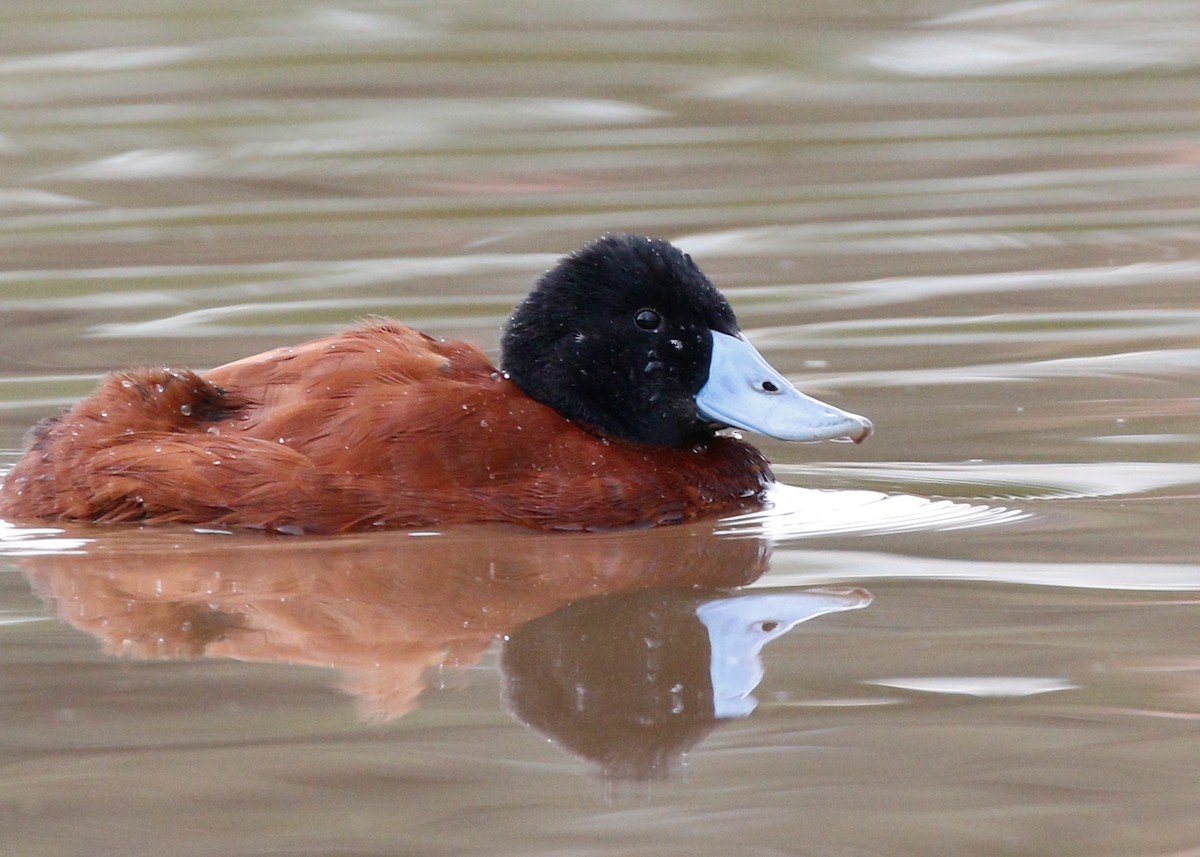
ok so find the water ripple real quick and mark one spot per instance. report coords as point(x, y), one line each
point(1154, 363)
point(37, 541)
point(1034, 37)
point(100, 60)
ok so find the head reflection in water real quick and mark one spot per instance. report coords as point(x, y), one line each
point(633, 681)
point(636, 667)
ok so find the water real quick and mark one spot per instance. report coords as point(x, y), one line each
point(976, 224)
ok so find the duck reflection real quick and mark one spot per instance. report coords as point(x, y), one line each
point(622, 640)
point(634, 680)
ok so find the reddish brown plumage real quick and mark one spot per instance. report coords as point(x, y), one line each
point(377, 426)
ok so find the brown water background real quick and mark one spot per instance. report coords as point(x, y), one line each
point(978, 224)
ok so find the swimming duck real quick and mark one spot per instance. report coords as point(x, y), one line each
point(617, 372)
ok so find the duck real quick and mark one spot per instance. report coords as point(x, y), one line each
point(618, 376)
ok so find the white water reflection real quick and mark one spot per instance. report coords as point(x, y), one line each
point(793, 512)
point(962, 232)
point(1010, 480)
point(796, 568)
point(982, 686)
point(901, 290)
point(30, 199)
point(37, 541)
point(187, 285)
point(1045, 37)
point(1007, 54)
point(372, 26)
point(1155, 363)
point(1101, 326)
point(99, 60)
point(362, 128)
point(144, 164)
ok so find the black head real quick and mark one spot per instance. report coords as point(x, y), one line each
point(617, 337)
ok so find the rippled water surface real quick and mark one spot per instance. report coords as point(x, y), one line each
point(975, 223)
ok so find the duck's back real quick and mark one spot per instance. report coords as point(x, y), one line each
point(377, 426)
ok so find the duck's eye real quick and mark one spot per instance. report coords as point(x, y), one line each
point(647, 319)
